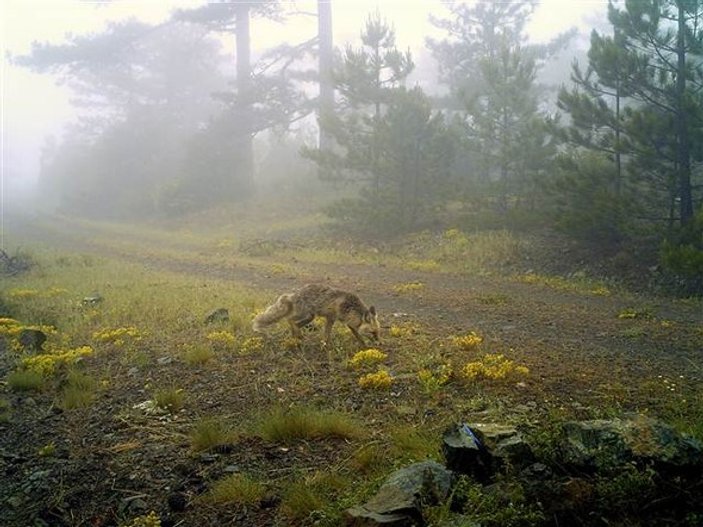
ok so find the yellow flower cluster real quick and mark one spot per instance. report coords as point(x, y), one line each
point(409, 287)
point(403, 330)
point(431, 381)
point(46, 363)
point(251, 345)
point(148, 520)
point(380, 380)
point(117, 336)
point(493, 366)
point(367, 357)
point(31, 293)
point(468, 342)
point(221, 338)
point(23, 293)
point(600, 290)
point(423, 265)
point(11, 328)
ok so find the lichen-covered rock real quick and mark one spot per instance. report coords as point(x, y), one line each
point(592, 445)
point(400, 500)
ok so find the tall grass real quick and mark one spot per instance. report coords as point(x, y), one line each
point(282, 425)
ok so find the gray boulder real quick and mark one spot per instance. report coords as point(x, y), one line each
point(400, 500)
point(597, 444)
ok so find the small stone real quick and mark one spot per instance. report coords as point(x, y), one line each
point(177, 502)
point(92, 300)
point(219, 315)
point(164, 361)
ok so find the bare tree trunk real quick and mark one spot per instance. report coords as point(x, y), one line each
point(326, 103)
point(244, 95)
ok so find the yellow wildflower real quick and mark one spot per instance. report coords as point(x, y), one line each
point(379, 380)
point(367, 357)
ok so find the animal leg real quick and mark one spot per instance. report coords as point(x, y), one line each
point(357, 336)
point(329, 322)
point(295, 330)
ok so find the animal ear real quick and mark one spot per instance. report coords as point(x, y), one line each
point(372, 310)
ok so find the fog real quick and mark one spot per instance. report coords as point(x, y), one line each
point(37, 106)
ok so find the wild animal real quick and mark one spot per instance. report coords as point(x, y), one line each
point(301, 307)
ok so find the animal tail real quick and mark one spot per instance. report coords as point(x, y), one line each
point(281, 308)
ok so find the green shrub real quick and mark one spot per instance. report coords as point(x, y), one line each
point(25, 380)
point(682, 255)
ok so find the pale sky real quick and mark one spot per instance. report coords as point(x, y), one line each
point(32, 106)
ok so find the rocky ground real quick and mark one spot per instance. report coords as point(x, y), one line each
point(589, 353)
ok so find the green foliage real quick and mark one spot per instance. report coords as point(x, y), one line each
point(5, 411)
point(500, 505)
point(282, 425)
point(209, 433)
point(490, 73)
point(585, 202)
point(316, 497)
point(79, 390)
point(25, 380)
point(170, 399)
point(236, 488)
point(407, 153)
point(388, 140)
point(682, 255)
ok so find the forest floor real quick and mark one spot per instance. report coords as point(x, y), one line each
point(193, 420)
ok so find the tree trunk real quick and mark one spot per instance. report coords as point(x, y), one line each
point(683, 153)
point(244, 95)
point(326, 50)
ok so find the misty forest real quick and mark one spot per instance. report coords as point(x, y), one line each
point(505, 237)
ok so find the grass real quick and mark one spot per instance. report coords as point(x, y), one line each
point(236, 488)
point(5, 411)
point(317, 495)
point(286, 425)
point(25, 381)
point(79, 391)
point(411, 444)
point(210, 432)
point(197, 355)
point(169, 398)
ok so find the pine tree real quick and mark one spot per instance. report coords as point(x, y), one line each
point(490, 71)
point(388, 141)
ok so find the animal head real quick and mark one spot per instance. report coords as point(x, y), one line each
point(371, 325)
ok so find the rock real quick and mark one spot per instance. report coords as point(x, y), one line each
point(32, 339)
point(219, 315)
point(465, 453)
point(401, 499)
point(505, 443)
point(514, 451)
point(591, 445)
point(164, 361)
point(177, 502)
point(269, 501)
point(92, 300)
